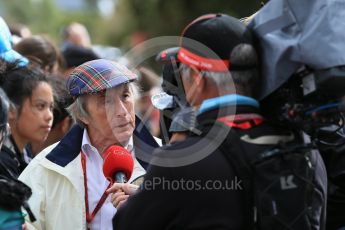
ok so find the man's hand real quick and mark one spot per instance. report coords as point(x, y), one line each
point(121, 192)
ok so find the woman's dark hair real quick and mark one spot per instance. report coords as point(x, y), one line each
point(40, 50)
point(19, 82)
point(62, 98)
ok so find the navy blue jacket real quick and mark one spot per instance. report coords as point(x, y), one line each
point(69, 147)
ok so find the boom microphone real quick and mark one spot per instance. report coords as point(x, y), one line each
point(118, 164)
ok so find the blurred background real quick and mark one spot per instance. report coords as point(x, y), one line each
point(118, 23)
point(84, 30)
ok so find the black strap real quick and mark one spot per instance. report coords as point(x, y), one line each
point(18, 155)
point(236, 157)
point(8, 174)
point(5, 170)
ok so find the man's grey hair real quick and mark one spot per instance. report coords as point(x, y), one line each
point(78, 110)
point(245, 80)
point(241, 80)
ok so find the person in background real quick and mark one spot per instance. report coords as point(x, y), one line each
point(30, 116)
point(42, 51)
point(31, 112)
point(13, 194)
point(148, 83)
point(71, 171)
point(19, 31)
point(76, 34)
point(62, 120)
point(6, 50)
point(4, 127)
point(76, 55)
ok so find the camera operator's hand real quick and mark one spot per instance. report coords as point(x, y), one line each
point(121, 192)
point(178, 136)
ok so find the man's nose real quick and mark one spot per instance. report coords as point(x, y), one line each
point(121, 110)
point(118, 107)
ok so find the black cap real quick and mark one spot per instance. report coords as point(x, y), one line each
point(219, 34)
point(77, 55)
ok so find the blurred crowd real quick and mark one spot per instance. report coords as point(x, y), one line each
point(34, 98)
point(64, 105)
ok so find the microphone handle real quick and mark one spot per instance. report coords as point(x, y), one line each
point(120, 177)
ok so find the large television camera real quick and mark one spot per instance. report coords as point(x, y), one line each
point(303, 81)
point(310, 101)
point(301, 46)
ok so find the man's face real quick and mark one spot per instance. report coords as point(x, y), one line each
point(111, 115)
point(190, 87)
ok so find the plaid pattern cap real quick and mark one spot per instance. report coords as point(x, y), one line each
point(96, 76)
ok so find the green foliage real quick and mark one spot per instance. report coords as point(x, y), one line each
point(153, 17)
point(44, 17)
point(164, 17)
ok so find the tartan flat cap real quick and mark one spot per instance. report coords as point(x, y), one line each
point(96, 76)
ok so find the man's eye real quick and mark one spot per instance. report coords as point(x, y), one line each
point(126, 95)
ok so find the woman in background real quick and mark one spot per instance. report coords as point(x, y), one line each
point(30, 116)
point(40, 50)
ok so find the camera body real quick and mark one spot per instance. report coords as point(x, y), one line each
point(309, 100)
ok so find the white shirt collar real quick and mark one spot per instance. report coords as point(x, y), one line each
point(86, 144)
point(130, 145)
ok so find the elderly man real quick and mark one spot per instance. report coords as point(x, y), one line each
point(198, 183)
point(68, 185)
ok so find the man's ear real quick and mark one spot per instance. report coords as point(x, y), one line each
point(197, 78)
point(198, 86)
point(66, 124)
point(84, 120)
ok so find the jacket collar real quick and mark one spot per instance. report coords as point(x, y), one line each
point(230, 104)
point(226, 101)
point(69, 147)
point(144, 143)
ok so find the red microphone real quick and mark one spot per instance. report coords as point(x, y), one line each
point(118, 164)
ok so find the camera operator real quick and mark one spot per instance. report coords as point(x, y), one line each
point(303, 60)
point(223, 100)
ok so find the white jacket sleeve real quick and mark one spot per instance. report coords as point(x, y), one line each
point(33, 177)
